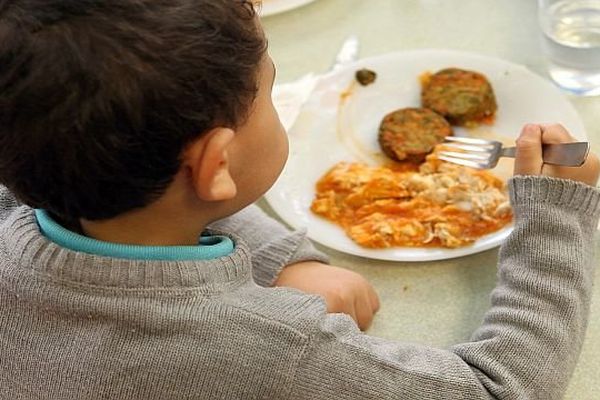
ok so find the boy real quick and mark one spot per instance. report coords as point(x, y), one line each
point(134, 131)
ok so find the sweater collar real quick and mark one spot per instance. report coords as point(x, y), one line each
point(209, 246)
point(28, 249)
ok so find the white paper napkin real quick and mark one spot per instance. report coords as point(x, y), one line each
point(289, 98)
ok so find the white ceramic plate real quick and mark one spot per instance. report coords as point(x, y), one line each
point(271, 7)
point(329, 130)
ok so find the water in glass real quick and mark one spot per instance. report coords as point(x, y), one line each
point(571, 40)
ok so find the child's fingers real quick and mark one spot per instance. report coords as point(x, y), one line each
point(528, 160)
point(373, 299)
point(364, 313)
point(556, 134)
point(351, 311)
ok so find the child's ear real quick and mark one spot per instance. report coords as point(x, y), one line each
point(208, 160)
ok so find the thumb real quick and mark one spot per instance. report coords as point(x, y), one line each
point(528, 159)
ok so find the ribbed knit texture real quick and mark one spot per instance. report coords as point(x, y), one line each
point(79, 326)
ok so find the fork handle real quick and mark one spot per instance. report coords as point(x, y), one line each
point(564, 154)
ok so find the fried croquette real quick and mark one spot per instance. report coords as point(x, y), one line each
point(412, 133)
point(464, 98)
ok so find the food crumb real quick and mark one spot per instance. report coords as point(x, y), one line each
point(365, 76)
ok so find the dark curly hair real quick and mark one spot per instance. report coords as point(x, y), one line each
point(98, 98)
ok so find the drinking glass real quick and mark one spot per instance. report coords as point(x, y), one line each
point(571, 43)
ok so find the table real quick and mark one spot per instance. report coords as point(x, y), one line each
point(434, 303)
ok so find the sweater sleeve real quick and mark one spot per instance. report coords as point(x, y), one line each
point(273, 246)
point(529, 341)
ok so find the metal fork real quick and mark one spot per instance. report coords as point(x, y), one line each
point(484, 154)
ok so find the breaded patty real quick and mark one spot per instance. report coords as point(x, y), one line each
point(463, 97)
point(412, 133)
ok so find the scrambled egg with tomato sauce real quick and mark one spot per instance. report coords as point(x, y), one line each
point(435, 205)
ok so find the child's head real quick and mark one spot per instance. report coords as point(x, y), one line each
point(104, 103)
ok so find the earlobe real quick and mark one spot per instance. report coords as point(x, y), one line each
point(222, 186)
point(209, 163)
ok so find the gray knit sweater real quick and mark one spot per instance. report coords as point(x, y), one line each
point(80, 326)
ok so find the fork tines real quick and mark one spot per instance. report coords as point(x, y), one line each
point(467, 140)
point(470, 152)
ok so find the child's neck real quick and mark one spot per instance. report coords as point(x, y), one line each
point(142, 231)
point(166, 222)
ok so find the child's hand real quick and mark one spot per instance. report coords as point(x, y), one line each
point(344, 291)
point(528, 160)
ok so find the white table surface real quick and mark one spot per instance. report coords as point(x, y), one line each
point(435, 303)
